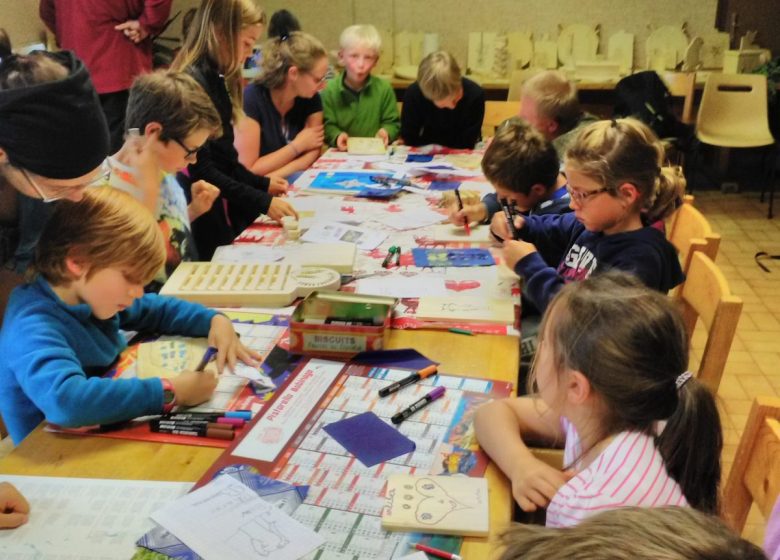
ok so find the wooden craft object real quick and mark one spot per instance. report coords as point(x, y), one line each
point(233, 285)
point(520, 50)
point(464, 308)
point(692, 59)
point(713, 50)
point(665, 47)
point(545, 53)
point(450, 505)
point(620, 49)
point(577, 42)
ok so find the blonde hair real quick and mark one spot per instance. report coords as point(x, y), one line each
point(631, 533)
point(361, 36)
point(627, 151)
point(555, 97)
point(176, 101)
point(439, 76)
point(297, 49)
point(519, 157)
point(630, 343)
point(213, 34)
point(107, 228)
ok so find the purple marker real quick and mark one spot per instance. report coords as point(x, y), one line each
point(414, 407)
point(210, 353)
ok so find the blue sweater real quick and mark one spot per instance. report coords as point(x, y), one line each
point(52, 355)
point(644, 252)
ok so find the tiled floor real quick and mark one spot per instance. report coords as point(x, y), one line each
point(753, 367)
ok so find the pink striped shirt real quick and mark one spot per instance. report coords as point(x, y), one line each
point(629, 472)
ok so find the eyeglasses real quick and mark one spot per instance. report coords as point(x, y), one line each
point(100, 178)
point(189, 152)
point(581, 197)
point(318, 80)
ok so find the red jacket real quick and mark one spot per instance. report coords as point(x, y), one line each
point(87, 28)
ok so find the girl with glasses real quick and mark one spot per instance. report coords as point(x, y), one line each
point(618, 188)
point(283, 132)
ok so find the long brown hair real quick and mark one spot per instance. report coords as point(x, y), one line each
point(213, 34)
point(622, 151)
point(630, 343)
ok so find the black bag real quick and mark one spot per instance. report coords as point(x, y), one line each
point(644, 96)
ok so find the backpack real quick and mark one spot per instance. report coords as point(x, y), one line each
point(644, 96)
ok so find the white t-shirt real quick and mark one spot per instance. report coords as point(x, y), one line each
point(629, 472)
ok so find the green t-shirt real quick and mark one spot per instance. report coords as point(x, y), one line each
point(360, 113)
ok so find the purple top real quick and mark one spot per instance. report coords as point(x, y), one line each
point(436, 393)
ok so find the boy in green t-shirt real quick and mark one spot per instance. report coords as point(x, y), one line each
point(356, 103)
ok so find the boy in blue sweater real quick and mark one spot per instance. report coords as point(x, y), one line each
point(62, 330)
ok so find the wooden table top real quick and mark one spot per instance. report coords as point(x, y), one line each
point(48, 454)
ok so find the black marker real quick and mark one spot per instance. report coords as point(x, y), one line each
point(422, 403)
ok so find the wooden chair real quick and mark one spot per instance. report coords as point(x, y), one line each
point(682, 84)
point(497, 112)
point(688, 230)
point(755, 474)
point(706, 296)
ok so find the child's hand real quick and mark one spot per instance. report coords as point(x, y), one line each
point(203, 196)
point(534, 483)
point(310, 138)
point(223, 337)
point(280, 208)
point(278, 186)
point(382, 133)
point(500, 228)
point(14, 509)
point(515, 251)
point(194, 387)
point(474, 213)
point(341, 142)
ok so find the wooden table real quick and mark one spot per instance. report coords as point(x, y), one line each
point(47, 454)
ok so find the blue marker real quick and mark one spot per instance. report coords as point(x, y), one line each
point(243, 414)
point(210, 353)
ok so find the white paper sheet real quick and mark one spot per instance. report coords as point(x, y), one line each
point(400, 286)
point(411, 219)
point(242, 253)
point(330, 232)
point(80, 518)
point(225, 519)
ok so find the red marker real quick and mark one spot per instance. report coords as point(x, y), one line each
point(437, 552)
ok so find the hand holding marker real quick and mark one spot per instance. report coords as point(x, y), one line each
point(460, 207)
point(207, 357)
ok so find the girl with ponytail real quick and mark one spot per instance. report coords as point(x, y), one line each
point(612, 388)
point(618, 188)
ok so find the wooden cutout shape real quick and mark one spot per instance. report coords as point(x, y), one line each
point(620, 49)
point(577, 42)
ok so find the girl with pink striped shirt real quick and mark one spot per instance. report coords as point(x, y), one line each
point(610, 385)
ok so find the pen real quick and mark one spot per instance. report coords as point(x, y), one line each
point(210, 353)
point(389, 257)
point(398, 255)
point(417, 405)
point(456, 330)
point(187, 424)
point(460, 207)
point(195, 431)
point(413, 378)
point(437, 552)
point(510, 217)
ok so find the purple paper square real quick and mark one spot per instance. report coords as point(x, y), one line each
point(369, 438)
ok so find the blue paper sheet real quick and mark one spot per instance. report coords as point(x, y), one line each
point(369, 438)
point(452, 257)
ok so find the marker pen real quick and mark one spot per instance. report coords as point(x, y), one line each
point(422, 403)
point(195, 432)
point(460, 207)
point(510, 218)
point(437, 552)
point(413, 378)
point(210, 353)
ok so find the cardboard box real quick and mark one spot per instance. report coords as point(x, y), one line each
point(340, 324)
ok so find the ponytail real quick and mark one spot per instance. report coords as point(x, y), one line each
point(690, 445)
point(667, 196)
point(297, 49)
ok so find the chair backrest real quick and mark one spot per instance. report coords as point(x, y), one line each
point(516, 81)
point(688, 230)
point(755, 473)
point(706, 296)
point(497, 112)
point(733, 111)
point(682, 84)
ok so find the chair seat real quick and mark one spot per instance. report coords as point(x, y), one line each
point(736, 139)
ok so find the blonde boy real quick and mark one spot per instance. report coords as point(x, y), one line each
point(357, 103)
point(62, 330)
point(442, 107)
point(549, 103)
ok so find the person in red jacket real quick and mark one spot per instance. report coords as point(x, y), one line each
point(114, 40)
